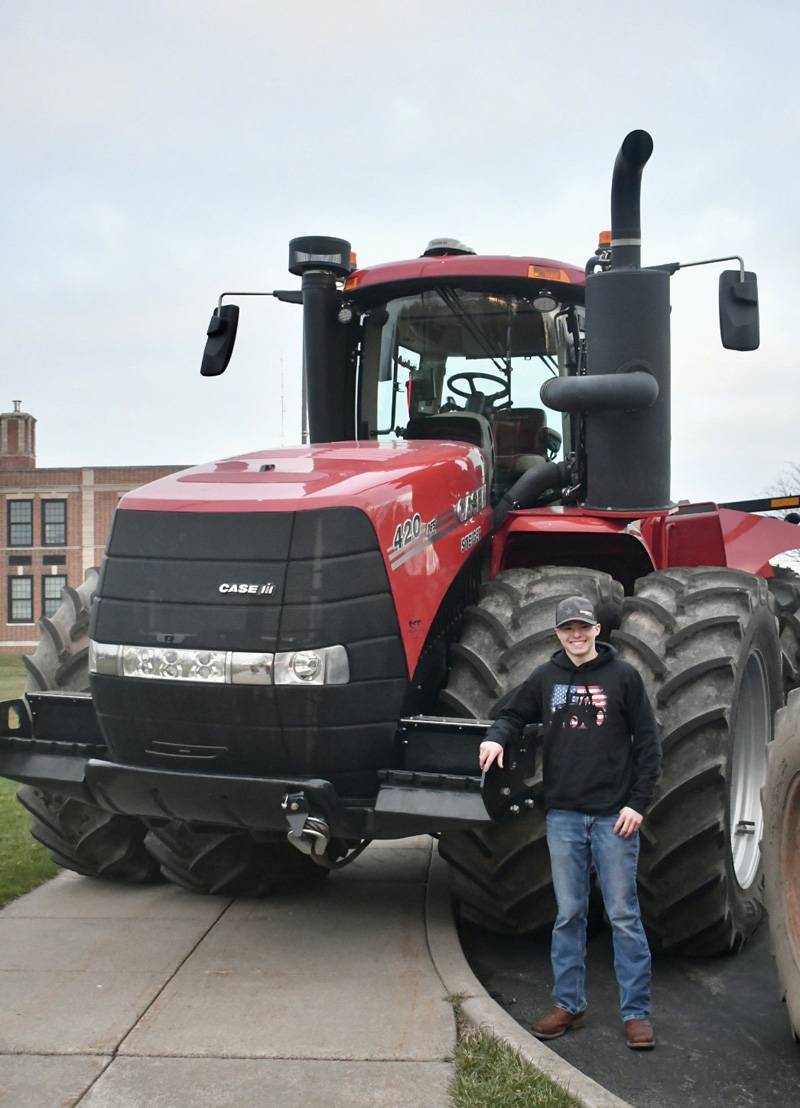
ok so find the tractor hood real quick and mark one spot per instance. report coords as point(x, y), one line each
point(357, 474)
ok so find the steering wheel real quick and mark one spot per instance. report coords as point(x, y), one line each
point(492, 399)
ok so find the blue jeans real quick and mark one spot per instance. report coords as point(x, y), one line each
point(575, 840)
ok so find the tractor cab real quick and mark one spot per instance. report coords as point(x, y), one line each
point(456, 363)
point(453, 346)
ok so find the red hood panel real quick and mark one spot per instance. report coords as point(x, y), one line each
point(318, 476)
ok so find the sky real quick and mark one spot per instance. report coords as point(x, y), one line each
point(156, 154)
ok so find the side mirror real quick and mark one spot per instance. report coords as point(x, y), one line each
point(221, 337)
point(738, 310)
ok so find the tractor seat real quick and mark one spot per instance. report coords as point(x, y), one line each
point(476, 403)
point(460, 426)
point(520, 439)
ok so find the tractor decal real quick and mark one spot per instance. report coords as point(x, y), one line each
point(426, 534)
point(472, 538)
point(258, 588)
point(412, 536)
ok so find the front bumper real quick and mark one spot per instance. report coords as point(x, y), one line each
point(52, 741)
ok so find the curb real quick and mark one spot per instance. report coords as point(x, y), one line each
point(483, 1013)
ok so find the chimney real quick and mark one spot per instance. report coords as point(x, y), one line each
point(17, 440)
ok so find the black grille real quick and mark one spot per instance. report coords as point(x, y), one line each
point(319, 579)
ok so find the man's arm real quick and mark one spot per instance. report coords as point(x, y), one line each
point(523, 708)
point(646, 757)
point(645, 745)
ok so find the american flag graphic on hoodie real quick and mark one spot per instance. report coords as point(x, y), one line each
point(579, 705)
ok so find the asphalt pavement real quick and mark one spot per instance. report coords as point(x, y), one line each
point(722, 1031)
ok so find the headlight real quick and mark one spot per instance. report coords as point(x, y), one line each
point(306, 665)
point(329, 665)
point(173, 664)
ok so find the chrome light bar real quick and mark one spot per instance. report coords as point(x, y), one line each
point(326, 665)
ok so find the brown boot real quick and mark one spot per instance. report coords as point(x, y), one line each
point(639, 1034)
point(557, 1022)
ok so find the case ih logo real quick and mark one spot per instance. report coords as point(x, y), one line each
point(470, 504)
point(265, 588)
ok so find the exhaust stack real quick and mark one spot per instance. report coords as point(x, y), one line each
point(626, 187)
point(627, 452)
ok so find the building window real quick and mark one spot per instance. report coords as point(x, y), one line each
point(20, 523)
point(54, 523)
point(20, 600)
point(51, 592)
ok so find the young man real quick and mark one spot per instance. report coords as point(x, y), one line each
point(601, 763)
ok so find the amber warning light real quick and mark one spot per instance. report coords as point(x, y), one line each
point(549, 273)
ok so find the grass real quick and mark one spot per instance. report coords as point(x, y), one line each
point(491, 1074)
point(12, 676)
point(24, 864)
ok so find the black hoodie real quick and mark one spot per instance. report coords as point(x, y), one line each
point(601, 748)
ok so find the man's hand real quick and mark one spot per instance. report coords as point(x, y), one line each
point(489, 753)
point(628, 823)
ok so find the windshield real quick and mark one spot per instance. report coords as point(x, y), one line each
point(453, 350)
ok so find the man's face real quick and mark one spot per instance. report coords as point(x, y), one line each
point(578, 638)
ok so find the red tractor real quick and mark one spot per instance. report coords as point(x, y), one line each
point(294, 652)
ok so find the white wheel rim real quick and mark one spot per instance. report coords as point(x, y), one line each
point(751, 733)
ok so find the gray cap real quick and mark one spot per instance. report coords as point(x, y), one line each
point(575, 609)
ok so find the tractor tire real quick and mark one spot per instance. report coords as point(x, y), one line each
point(61, 658)
point(500, 873)
point(81, 837)
point(88, 839)
point(228, 863)
point(705, 641)
point(780, 848)
point(785, 589)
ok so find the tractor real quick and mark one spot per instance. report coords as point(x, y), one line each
point(291, 653)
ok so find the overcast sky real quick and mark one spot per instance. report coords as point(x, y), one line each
point(158, 153)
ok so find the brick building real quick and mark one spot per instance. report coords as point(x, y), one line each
point(55, 525)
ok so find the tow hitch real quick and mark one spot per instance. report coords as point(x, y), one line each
point(310, 834)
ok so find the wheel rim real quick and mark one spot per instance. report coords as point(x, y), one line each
point(751, 733)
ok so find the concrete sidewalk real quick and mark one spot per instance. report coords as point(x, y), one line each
point(125, 997)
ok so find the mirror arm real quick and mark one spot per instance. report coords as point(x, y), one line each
point(288, 296)
point(673, 267)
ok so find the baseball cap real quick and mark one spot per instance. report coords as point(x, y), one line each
point(575, 608)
